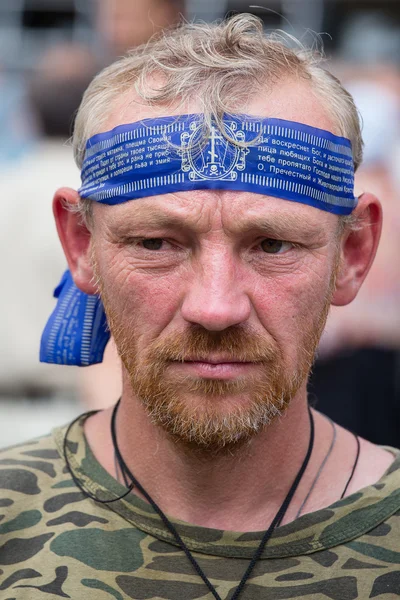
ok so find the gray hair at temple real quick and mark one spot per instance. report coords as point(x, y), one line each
point(221, 66)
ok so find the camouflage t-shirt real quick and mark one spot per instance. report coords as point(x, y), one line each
point(57, 543)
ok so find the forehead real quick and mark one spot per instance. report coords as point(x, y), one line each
point(292, 100)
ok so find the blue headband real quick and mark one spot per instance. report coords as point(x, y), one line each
point(272, 157)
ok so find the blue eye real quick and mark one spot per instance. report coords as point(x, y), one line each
point(152, 243)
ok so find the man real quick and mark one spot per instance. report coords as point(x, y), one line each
point(211, 226)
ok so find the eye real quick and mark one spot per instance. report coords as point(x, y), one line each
point(152, 243)
point(271, 246)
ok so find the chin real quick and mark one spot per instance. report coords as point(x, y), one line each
point(213, 422)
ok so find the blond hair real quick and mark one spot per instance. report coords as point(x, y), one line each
point(221, 66)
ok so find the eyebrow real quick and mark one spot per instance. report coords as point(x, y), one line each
point(280, 225)
point(151, 220)
point(283, 226)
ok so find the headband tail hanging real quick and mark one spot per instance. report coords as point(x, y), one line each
point(76, 332)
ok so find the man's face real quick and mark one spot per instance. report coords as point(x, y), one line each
point(217, 299)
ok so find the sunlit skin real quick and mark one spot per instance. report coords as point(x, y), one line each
point(220, 259)
point(217, 266)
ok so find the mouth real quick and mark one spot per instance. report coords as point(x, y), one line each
point(218, 360)
point(221, 367)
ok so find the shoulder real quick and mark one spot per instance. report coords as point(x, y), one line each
point(374, 463)
point(29, 474)
point(37, 452)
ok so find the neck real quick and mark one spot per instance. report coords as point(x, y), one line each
point(240, 490)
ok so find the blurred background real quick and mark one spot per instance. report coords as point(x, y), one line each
point(49, 52)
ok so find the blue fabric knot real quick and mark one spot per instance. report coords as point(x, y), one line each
point(77, 331)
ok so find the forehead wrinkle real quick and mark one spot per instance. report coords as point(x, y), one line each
point(202, 211)
point(184, 210)
point(275, 223)
point(256, 212)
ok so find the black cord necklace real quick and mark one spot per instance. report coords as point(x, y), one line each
point(354, 466)
point(277, 520)
point(126, 473)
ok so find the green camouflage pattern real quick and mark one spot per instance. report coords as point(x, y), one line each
point(56, 543)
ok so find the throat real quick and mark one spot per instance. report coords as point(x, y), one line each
point(240, 490)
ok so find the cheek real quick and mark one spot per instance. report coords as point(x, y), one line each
point(144, 300)
point(153, 303)
point(290, 306)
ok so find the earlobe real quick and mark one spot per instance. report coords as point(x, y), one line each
point(75, 238)
point(358, 247)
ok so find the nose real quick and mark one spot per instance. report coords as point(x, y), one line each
point(216, 298)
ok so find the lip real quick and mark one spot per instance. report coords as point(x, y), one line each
point(216, 360)
point(220, 368)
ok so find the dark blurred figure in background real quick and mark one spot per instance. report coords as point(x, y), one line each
point(32, 269)
point(357, 378)
point(124, 24)
point(57, 85)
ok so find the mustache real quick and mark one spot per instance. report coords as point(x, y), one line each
point(234, 343)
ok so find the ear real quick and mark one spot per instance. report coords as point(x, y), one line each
point(357, 249)
point(75, 238)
